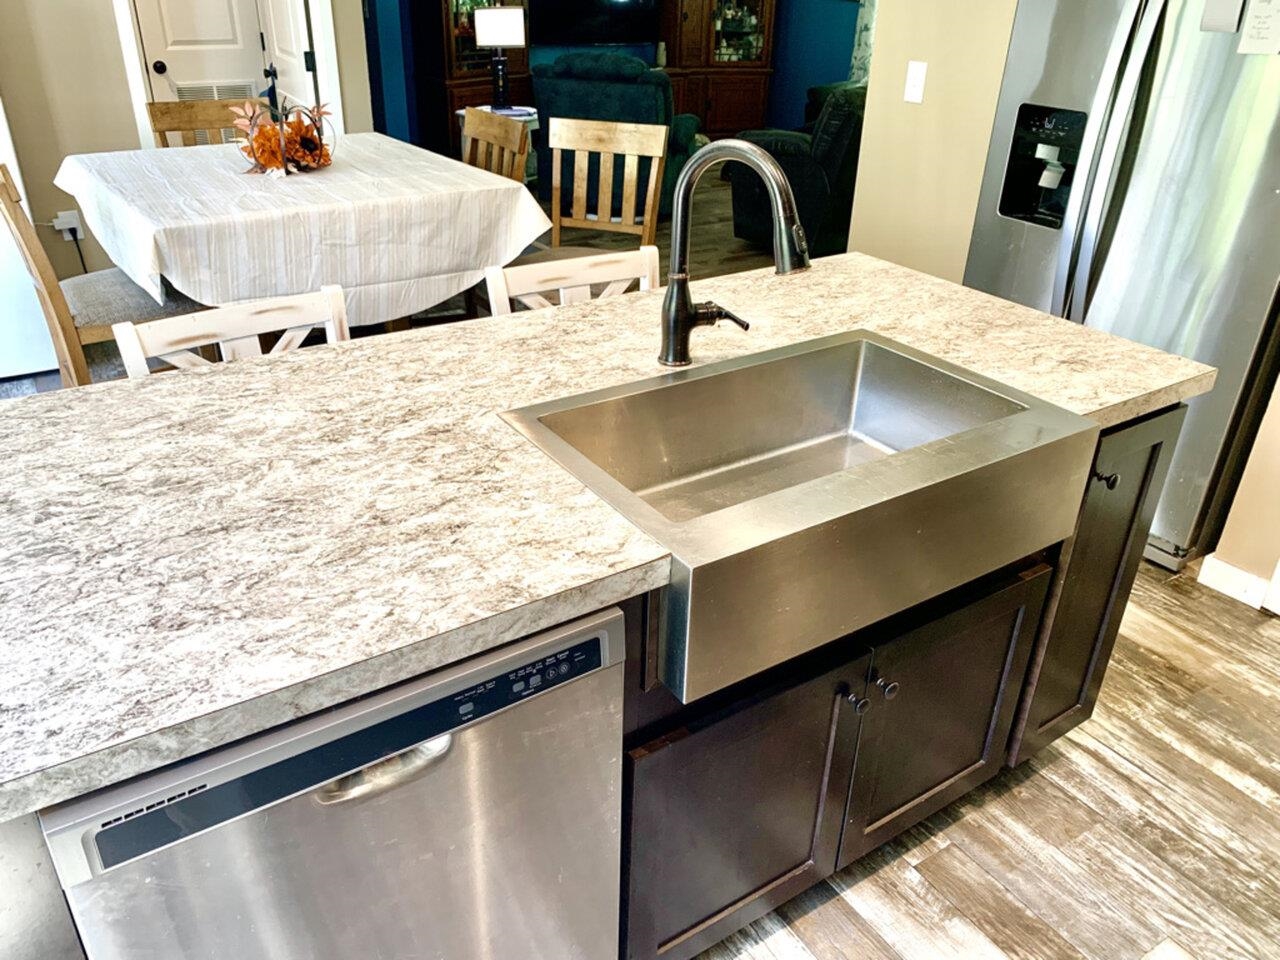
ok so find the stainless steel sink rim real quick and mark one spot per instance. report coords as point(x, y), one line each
point(715, 534)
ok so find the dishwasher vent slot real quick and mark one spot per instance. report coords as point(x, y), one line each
point(153, 805)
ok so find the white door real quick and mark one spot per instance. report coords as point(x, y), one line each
point(25, 345)
point(201, 49)
point(286, 27)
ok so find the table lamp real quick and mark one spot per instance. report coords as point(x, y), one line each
point(499, 27)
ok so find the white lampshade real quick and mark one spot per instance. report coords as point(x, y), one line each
point(499, 26)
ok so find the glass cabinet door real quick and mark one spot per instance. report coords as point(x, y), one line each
point(738, 31)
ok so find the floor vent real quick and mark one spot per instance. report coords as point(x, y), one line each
point(152, 806)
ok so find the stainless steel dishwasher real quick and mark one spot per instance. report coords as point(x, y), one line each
point(469, 815)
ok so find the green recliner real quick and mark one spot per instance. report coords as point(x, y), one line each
point(609, 86)
point(822, 166)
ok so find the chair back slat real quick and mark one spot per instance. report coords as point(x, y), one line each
point(495, 143)
point(235, 329)
point(606, 140)
point(72, 366)
point(604, 192)
point(573, 279)
point(187, 118)
point(581, 169)
point(630, 182)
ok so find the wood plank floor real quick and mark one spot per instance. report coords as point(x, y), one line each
point(1151, 832)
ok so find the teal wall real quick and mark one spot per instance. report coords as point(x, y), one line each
point(812, 45)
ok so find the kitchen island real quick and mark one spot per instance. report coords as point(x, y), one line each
point(192, 559)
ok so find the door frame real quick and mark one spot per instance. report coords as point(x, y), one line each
point(324, 39)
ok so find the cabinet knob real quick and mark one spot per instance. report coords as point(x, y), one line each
point(889, 688)
point(1110, 479)
point(860, 704)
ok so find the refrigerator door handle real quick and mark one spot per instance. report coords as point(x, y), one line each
point(1109, 156)
point(1094, 128)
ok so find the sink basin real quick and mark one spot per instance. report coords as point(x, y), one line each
point(811, 490)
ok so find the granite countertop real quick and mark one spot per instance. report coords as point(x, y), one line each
point(196, 557)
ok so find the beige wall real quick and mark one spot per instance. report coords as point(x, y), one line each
point(921, 165)
point(1251, 539)
point(63, 82)
point(62, 78)
point(353, 65)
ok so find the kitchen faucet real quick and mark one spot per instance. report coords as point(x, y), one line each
point(790, 250)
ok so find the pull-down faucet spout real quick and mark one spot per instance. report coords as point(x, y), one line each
point(790, 250)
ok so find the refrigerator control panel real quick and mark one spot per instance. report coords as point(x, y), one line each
point(1041, 166)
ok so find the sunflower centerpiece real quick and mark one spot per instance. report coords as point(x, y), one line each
point(291, 139)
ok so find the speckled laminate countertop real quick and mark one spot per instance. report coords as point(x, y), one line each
point(196, 557)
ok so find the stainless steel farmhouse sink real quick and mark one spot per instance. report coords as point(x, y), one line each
point(808, 491)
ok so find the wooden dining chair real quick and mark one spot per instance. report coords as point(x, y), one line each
point(495, 143)
point(81, 309)
point(235, 330)
point(573, 279)
point(188, 118)
point(606, 141)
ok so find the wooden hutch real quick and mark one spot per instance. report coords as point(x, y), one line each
point(719, 58)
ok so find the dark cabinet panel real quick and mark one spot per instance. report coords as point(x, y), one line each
point(942, 702)
point(736, 102)
point(1128, 475)
point(690, 48)
point(737, 812)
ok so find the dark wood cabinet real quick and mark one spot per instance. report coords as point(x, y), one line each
point(736, 102)
point(720, 59)
point(941, 702)
point(1095, 578)
point(736, 809)
point(738, 812)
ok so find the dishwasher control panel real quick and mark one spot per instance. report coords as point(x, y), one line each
point(527, 680)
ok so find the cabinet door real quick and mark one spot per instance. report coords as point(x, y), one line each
point(736, 102)
point(942, 702)
point(1128, 475)
point(691, 41)
point(736, 814)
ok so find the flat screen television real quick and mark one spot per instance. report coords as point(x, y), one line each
point(574, 22)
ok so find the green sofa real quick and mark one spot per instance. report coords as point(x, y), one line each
point(609, 86)
point(821, 161)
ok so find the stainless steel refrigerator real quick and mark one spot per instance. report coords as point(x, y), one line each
point(1133, 185)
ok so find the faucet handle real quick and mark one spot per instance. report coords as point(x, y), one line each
point(711, 312)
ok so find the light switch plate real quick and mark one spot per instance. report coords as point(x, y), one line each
point(1221, 16)
point(916, 71)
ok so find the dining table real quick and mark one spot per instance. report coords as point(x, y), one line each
point(399, 228)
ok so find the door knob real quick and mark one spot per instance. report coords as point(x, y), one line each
point(860, 704)
point(160, 67)
point(889, 688)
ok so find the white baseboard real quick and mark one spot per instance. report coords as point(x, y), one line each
point(1272, 600)
point(1236, 583)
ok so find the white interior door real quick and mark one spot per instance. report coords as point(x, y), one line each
point(25, 345)
point(201, 49)
point(286, 27)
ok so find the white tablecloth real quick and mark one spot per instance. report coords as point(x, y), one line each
point(398, 227)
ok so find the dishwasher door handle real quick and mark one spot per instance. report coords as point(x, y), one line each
point(385, 774)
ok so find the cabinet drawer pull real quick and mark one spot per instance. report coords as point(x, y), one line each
point(1110, 479)
point(888, 688)
point(860, 704)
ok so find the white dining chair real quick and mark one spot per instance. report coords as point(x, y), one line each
point(573, 279)
point(234, 329)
